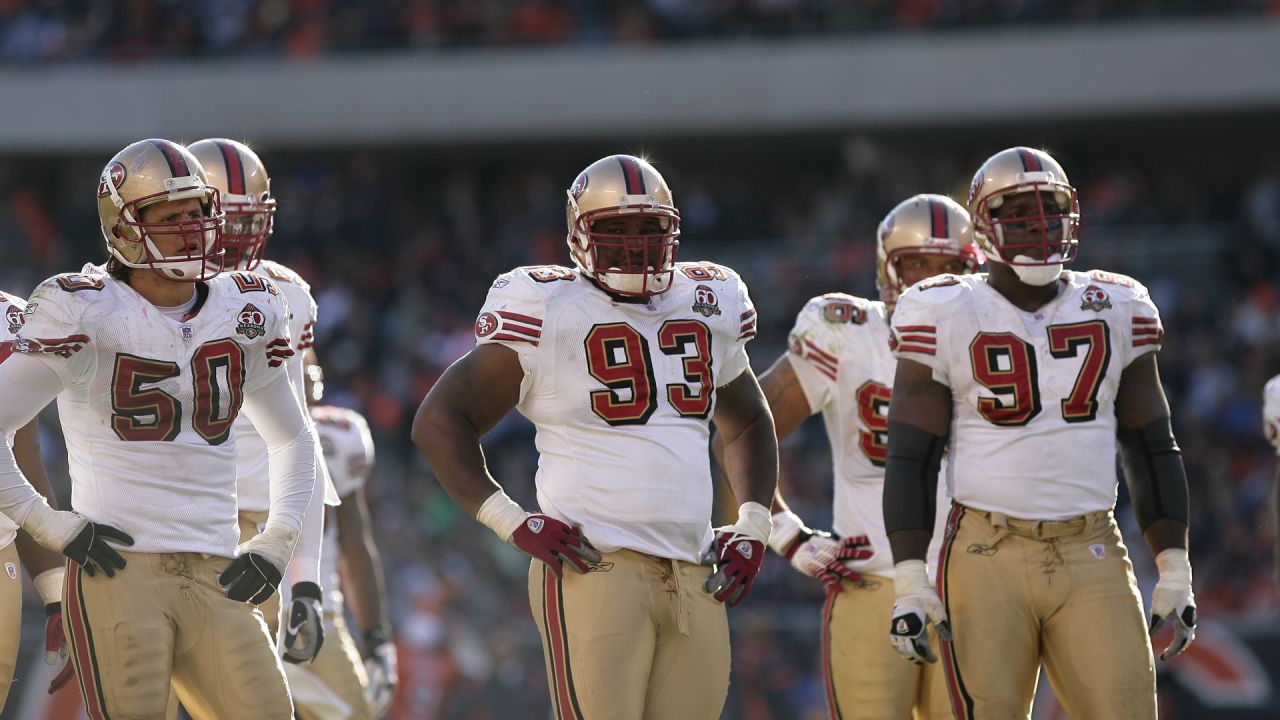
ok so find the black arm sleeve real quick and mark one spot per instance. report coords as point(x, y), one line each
point(911, 478)
point(1153, 469)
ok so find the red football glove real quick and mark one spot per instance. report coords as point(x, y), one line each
point(737, 559)
point(553, 542)
point(55, 647)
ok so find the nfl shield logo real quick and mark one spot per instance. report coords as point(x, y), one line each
point(535, 525)
point(744, 549)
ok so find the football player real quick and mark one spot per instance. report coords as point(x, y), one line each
point(151, 364)
point(245, 191)
point(44, 567)
point(621, 362)
point(1030, 377)
point(838, 363)
point(364, 686)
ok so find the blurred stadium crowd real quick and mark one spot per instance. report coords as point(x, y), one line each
point(140, 30)
point(401, 247)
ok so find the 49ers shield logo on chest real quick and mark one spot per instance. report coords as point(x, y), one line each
point(705, 302)
point(253, 323)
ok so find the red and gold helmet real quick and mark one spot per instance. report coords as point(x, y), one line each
point(242, 180)
point(145, 173)
point(1056, 222)
point(623, 186)
point(924, 224)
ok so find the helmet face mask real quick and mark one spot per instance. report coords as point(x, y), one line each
point(238, 173)
point(1026, 214)
point(141, 176)
point(624, 229)
point(922, 225)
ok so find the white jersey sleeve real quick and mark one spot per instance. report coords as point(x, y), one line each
point(737, 361)
point(514, 313)
point(267, 352)
point(348, 446)
point(1271, 412)
point(914, 335)
point(815, 346)
point(1146, 332)
point(60, 319)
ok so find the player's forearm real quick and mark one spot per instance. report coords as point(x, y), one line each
point(26, 449)
point(361, 566)
point(305, 565)
point(291, 449)
point(26, 386)
point(909, 544)
point(751, 462)
point(452, 446)
point(1165, 534)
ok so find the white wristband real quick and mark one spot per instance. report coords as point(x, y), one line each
point(910, 576)
point(49, 584)
point(754, 521)
point(501, 514)
point(1173, 564)
point(787, 526)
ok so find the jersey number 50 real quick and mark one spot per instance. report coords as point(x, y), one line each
point(1005, 364)
point(217, 370)
point(618, 356)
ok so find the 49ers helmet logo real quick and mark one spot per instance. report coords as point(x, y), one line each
point(253, 323)
point(1094, 299)
point(705, 302)
point(115, 172)
point(579, 186)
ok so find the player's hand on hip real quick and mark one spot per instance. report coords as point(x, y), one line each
point(1173, 600)
point(554, 542)
point(817, 553)
point(736, 553)
point(55, 647)
point(91, 551)
point(380, 664)
point(916, 605)
point(255, 573)
point(304, 631)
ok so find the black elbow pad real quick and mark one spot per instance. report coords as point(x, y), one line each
point(911, 478)
point(1155, 474)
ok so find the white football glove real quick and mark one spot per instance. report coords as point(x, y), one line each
point(915, 605)
point(381, 665)
point(1173, 599)
point(817, 553)
point(304, 628)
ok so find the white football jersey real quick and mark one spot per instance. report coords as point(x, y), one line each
point(252, 488)
point(11, 320)
point(348, 453)
point(149, 402)
point(1033, 430)
point(622, 394)
point(839, 350)
point(1271, 412)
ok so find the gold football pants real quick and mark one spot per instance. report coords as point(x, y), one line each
point(165, 618)
point(866, 679)
point(1020, 593)
point(637, 638)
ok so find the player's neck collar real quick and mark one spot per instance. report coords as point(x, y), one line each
point(202, 294)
